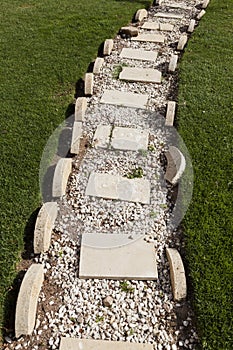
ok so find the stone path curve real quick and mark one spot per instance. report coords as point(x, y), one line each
point(120, 137)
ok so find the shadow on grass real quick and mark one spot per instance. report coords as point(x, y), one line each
point(145, 3)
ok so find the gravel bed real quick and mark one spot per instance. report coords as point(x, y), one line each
point(141, 311)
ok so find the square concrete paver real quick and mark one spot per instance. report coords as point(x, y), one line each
point(90, 344)
point(146, 75)
point(118, 187)
point(135, 260)
point(129, 139)
point(153, 38)
point(125, 99)
point(168, 15)
point(101, 137)
point(139, 54)
point(158, 26)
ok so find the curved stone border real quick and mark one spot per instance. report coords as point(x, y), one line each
point(191, 26)
point(89, 83)
point(140, 15)
point(76, 136)
point(108, 46)
point(182, 42)
point(27, 300)
point(201, 14)
point(98, 64)
point(170, 115)
point(44, 225)
point(80, 109)
point(61, 175)
point(177, 274)
point(175, 165)
point(205, 4)
point(173, 63)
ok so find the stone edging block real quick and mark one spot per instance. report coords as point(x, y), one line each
point(177, 274)
point(170, 115)
point(140, 15)
point(201, 14)
point(130, 30)
point(191, 26)
point(61, 175)
point(98, 64)
point(80, 109)
point(76, 136)
point(108, 46)
point(175, 165)
point(182, 42)
point(44, 225)
point(89, 83)
point(173, 63)
point(27, 300)
point(205, 4)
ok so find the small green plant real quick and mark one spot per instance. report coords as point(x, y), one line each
point(164, 206)
point(131, 331)
point(153, 214)
point(99, 319)
point(143, 152)
point(135, 173)
point(117, 70)
point(151, 148)
point(60, 253)
point(125, 287)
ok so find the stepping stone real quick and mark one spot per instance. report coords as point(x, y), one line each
point(118, 187)
point(139, 54)
point(61, 175)
point(177, 274)
point(44, 225)
point(89, 83)
point(201, 14)
point(191, 26)
point(145, 75)
point(153, 38)
point(205, 4)
point(90, 344)
point(175, 165)
point(101, 138)
point(97, 65)
point(182, 42)
point(129, 139)
point(76, 136)
point(168, 15)
point(111, 256)
point(158, 26)
point(26, 306)
point(125, 99)
point(140, 15)
point(173, 63)
point(80, 109)
point(130, 30)
point(166, 27)
point(180, 6)
point(170, 115)
point(108, 46)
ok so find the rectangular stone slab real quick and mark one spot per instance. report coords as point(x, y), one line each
point(168, 15)
point(139, 54)
point(125, 99)
point(129, 139)
point(145, 75)
point(153, 38)
point(90, 344)
point(101, 137)
point(158, 26)
point(135, 260)
point(118, 187)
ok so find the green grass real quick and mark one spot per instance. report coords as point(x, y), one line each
point(46, 46)
point(205, 118)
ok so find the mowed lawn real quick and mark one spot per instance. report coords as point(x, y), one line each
point(46, 46)
point(205, 119)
